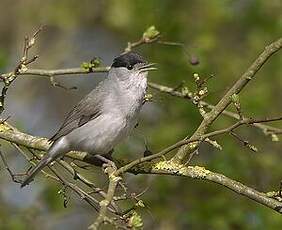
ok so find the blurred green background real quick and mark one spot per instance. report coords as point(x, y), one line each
point(225, 36)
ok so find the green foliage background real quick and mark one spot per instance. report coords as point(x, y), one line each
point(226, 36)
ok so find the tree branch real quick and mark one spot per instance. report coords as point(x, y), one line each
point(60, 72)
point(196, 172)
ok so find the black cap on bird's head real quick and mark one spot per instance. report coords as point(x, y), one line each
point(130, 59)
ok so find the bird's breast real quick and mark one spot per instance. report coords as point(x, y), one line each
point(132, 98)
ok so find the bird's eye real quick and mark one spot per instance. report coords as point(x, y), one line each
point(129, 67)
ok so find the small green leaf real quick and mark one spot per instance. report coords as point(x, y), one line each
point(94, 63)
point(140, 203)
point(150, 33)
point(135, 221)
point(185, 91)
point(148, 97)
point(85, 65)
point(235, 98)
point(274, 137)
point(253, 148)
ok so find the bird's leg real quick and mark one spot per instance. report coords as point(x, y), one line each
point(106, 160)
point(98, 161)
point(147, 151)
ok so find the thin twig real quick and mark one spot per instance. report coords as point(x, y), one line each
point(113, 183)
point(13, 176)
point(79, 191)
point(21, 67)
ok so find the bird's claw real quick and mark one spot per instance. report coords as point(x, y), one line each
point(110, 164)
point(107, 163)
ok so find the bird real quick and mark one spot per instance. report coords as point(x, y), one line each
point(104, 117)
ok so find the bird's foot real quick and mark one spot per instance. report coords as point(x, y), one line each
point(106, 163)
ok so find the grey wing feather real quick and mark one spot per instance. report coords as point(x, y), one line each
point(87, 109)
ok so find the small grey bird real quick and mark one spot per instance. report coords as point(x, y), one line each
point(106, 116)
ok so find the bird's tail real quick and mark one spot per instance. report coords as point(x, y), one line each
point(44, 161)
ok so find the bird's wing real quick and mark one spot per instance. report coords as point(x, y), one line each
point(87, 109)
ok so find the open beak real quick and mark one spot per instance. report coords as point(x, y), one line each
point(147, 67)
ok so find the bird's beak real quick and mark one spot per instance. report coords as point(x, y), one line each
point(147, 67)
